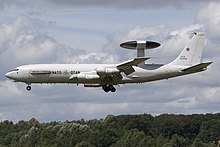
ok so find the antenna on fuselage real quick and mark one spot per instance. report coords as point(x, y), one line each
point(140, 46)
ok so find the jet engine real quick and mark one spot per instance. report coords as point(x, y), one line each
point(82, 76)
point(102, 71)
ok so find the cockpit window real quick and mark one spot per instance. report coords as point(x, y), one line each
point(16, 69)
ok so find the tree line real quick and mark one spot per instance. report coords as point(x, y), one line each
point(144, 130)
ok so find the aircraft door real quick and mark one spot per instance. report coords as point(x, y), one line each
point(39, 76)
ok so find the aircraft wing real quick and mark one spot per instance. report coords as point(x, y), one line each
point(126, 66)
point(198, 67)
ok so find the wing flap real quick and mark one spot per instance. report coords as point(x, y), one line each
point(198, 67)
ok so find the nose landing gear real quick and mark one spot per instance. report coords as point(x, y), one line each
point(28, 88)
point(108, 88)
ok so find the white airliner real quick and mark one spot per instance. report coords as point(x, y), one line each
point(108, 75)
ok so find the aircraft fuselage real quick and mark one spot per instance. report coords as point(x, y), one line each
point(61, 73)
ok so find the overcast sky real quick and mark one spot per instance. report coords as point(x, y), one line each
point(71, 31)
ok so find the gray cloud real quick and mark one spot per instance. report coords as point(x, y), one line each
point(26, 42)
point(127, 4)
point(114, 4)
point(7, 3)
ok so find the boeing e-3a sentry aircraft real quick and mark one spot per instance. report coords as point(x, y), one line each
point(109, 75)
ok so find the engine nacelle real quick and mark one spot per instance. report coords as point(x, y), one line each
point(82, 76)
point(102, 71)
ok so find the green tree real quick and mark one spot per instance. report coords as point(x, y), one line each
point(160, 141)
point(179, 141)
point(198, 143)
point(134, 138)
point(210, 131)
point(84, 144)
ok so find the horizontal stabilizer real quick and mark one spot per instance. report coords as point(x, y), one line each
point(126, 66)
point(198, 67)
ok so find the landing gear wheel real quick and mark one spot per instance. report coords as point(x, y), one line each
point(111, 88)
point(28, 88)
point(105, 88)
point(108, 88)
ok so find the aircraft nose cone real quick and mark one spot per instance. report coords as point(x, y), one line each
point(8, 75)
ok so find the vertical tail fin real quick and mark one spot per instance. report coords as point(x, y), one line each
point(192, 53)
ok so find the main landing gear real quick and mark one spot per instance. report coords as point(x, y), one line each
point(28, 87)
point(108, 88)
